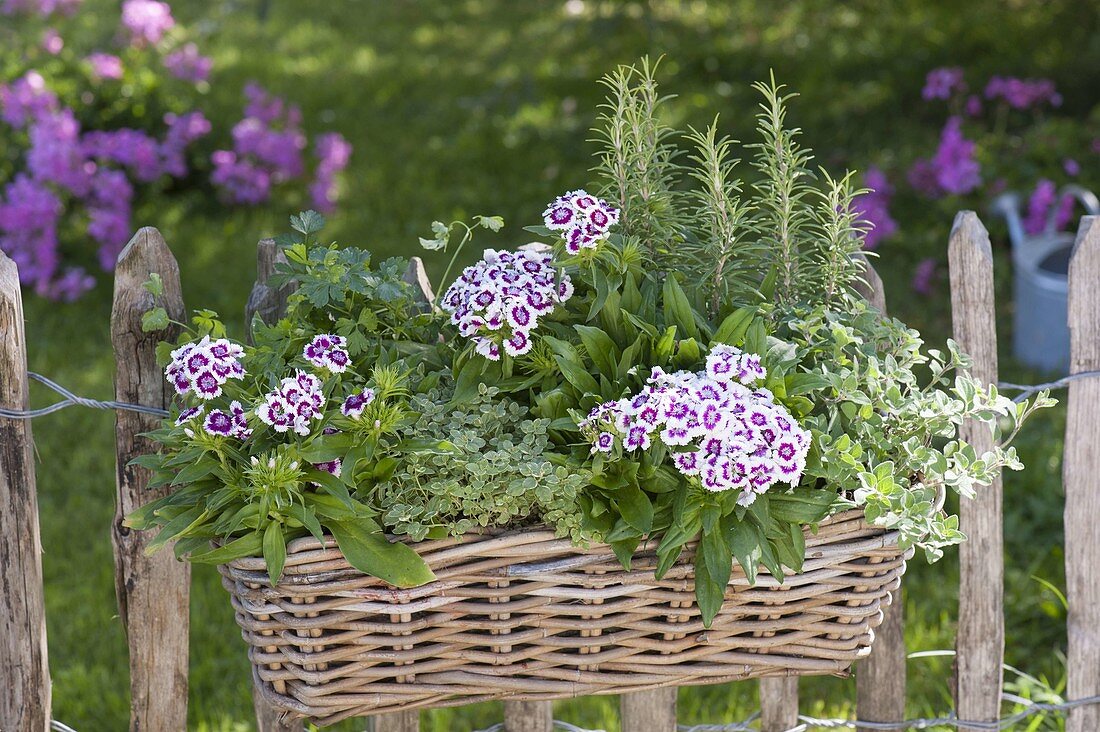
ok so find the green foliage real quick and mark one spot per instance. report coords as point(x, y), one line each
point(886, 418)
point(637, 159)
point(728, 253)
point(492, 469)
point(782, 192)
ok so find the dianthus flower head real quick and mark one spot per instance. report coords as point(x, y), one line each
point(583, 220)
point(189, 414)
point(294, 405)
point(497, 302)
point(327, 351)
point(203, 367)
point(724, 434)
point(355, 404)
point(233, 423)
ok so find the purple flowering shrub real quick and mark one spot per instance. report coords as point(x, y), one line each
point(82, 156)
point(1004, 134)
point(601, 381)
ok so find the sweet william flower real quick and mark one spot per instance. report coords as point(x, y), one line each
point(233, 423)
point(355, 404)
point(583, 220)
point(736, 437)
point(497, 302)
point(189, 414)
point(297, 402)
point(327, 351)
point(203, 367)
point(335, 467)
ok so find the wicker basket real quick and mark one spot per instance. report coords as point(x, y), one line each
point(523, 615)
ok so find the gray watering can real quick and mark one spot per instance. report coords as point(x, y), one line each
point(1041, 276)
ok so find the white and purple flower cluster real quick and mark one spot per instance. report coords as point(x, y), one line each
point(498, 301)
point(583, 220)
point(203, 367)
point(233, 423)
point(742, 439)
point(354, 406)
point(298, 401)
point(327, 352)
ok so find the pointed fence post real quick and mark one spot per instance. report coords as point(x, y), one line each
point(980, 638)
point(1081, 476)
point(880, 678)
point(267, 302)
point(24, 671)
point(153, 592)
point(270, 304)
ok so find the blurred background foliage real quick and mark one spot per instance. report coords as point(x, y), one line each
point(462, 107)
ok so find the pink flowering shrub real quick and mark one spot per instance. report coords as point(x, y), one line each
point(67, 201)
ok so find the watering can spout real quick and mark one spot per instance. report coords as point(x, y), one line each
point(1007, 205)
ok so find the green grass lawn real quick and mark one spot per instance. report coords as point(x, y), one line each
point(458, 108)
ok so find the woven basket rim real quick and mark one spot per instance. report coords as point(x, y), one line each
point(535, 534)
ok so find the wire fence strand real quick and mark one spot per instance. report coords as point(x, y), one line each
point(807, 723)
point(73, 400)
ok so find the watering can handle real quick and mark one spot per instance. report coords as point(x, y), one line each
point(1083, 195)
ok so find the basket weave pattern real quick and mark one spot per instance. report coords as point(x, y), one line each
point(524, 615)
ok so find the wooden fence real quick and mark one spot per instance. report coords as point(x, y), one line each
point(153, 591)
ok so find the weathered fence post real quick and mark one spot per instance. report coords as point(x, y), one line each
point(270, 304)
point(652, 711)
point(880, 679)
point(778, 703)
point(980, 639)
point(267, 302)
point(1081, 476)
point(24, 671)
point(528, 716)
point(153, 592)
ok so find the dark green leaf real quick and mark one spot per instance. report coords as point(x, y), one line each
point(709, 593)
point(732, 330)
point(635, 507)
point(274, 551)
point(306, 517)
point(370, 552)
point(678, 310)
point(601, 349)
point(581, 380)
point(801, 505)
point(249, 545)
